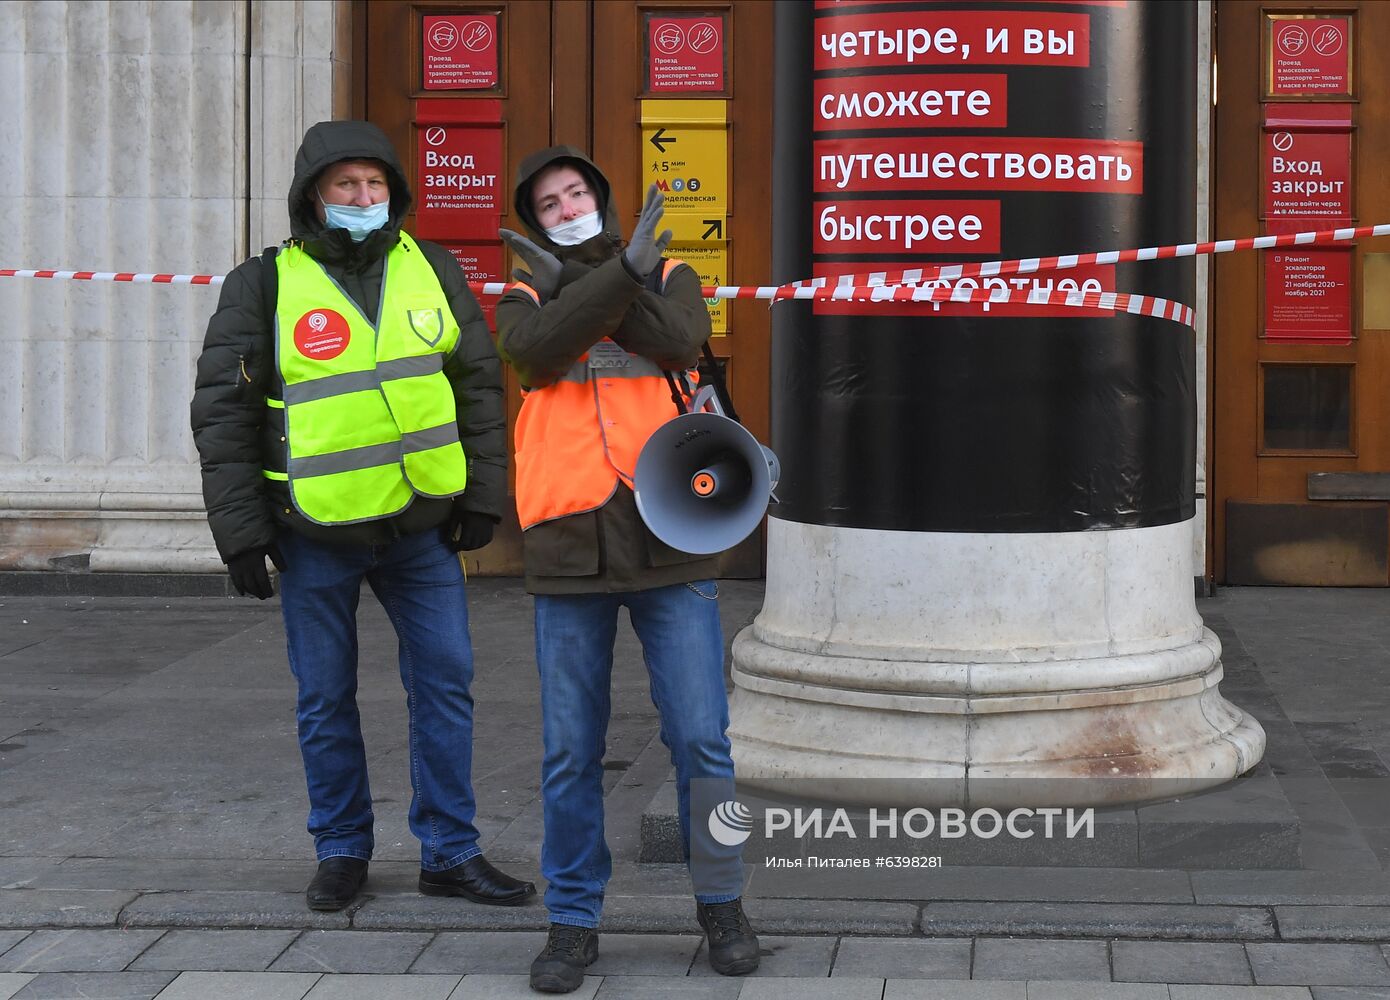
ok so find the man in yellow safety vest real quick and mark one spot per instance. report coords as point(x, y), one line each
point(348, 414)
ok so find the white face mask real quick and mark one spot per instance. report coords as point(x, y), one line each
point(576, 231)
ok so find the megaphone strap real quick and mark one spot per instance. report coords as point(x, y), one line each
point(677, 396)
point(721, 387)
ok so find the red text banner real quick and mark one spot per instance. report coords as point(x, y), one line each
point(904, 100)
point(974, 163)
point(922, 226)
point(1307, 295)
point(1091, 278)
point(971, 38)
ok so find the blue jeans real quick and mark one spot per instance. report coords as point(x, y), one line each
point(683, 646)
point(420, 584)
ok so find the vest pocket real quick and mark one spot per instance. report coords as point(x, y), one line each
point(274, 450)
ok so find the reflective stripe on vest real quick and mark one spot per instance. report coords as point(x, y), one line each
point(370, 419)
point(577, 438)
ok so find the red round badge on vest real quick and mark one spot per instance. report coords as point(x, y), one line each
point(321, 335)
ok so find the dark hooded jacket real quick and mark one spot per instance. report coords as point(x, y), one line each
point(238, 436)
point(610, 549)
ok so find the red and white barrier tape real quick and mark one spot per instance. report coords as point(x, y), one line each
point(138, 279)
point(1107, 302)
point(1032, 265)
point(917, 284)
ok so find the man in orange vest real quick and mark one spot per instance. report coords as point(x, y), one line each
point(592, 328)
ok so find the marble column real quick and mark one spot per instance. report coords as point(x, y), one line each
point(136, 137)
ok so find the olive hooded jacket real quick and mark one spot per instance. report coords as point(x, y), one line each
point(238, 435)
point(611, 549)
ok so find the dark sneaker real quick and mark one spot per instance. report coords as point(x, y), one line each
point(477, 880)
point(336, 883)
point(733, 947)
point(568, 951)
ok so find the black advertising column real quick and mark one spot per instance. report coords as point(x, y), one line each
point(1023, 418)
point(983, 507)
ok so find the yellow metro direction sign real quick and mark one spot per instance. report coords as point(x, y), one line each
point(685, 152)
point(701, 240)
point(687, 228)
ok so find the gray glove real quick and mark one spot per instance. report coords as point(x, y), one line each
point(543, 265)
point(645, 248)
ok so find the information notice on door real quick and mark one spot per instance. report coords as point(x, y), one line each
point(1307, 174)
point(685, 54)
point(1308, 56)
point(459, 187)
point(480, 262)
point(460, 51)
point(1308, 295)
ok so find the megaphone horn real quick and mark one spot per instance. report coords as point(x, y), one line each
point(702, 481)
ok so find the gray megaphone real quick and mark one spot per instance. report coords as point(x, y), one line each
point(703, 481)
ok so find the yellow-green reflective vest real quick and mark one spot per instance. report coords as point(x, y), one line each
point(369, 416)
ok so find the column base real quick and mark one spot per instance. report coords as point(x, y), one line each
point(1079, 746)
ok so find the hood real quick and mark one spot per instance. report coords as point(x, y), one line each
point(325, 144)
point(602, 246)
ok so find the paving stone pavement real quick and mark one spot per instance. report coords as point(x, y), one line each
point(142, 964)
point(1175, 962)
point(175, 866)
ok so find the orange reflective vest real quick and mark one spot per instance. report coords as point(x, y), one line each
point(579, 437)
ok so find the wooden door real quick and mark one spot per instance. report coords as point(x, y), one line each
point(1300, 426)
point(576, 72)
point(390, 77)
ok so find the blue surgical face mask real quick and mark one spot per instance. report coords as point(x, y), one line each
point(359, 222)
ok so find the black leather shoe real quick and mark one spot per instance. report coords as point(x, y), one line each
point(336, 883)
point(733, 947)
point(477, 880)
point(568, 951)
